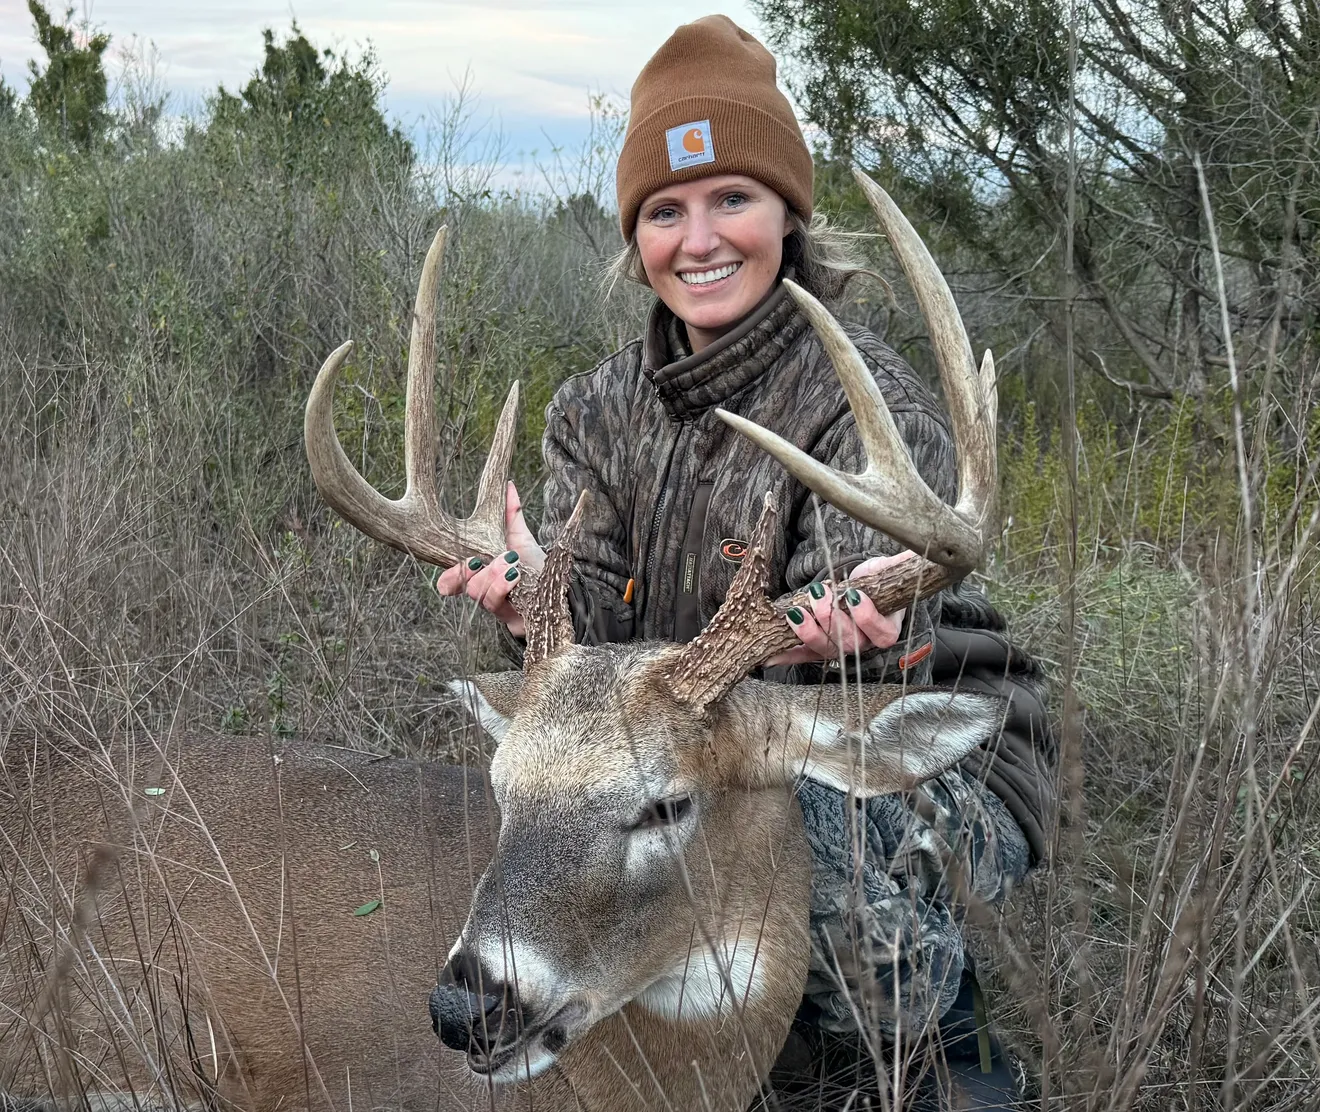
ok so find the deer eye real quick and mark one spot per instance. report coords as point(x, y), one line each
point(664, 812)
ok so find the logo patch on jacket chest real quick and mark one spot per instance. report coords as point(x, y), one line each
point(733, 550)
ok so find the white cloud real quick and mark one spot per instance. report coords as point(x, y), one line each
point(532, 62)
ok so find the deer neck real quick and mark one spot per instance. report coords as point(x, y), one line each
point(707, 1035)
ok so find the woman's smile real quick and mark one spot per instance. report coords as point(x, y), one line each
point(711, 278)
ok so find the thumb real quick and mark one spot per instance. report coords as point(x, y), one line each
point(512, 504)
point(516, 533)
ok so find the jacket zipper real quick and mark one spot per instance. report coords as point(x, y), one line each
point(655, 531)
point(651, 556)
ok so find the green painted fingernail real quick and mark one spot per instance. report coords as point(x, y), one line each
point(817, 590)
point(475, 563)
point(795, 616)
point(854, 596)
point(511, 557)
point(511, 574)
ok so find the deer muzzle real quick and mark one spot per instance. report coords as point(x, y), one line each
point(485, 1018)
point(472, 1011)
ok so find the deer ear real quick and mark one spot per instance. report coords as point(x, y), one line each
point(491, 699)
point(916, 736)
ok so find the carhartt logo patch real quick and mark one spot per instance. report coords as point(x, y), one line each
point(689, 145)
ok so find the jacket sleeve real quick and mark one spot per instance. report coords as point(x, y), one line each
point(828, 544)
point(575, 449)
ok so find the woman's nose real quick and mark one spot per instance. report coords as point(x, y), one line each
point(700, 239)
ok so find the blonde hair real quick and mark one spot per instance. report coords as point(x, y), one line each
point(821, 255)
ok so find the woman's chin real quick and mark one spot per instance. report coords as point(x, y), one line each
point(714, 316)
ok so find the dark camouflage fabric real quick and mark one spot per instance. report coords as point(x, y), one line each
point(889, 876)
point(674, 491)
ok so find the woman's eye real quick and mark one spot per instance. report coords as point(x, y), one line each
point(664, 812)
point(663, 215)
point(735, 200)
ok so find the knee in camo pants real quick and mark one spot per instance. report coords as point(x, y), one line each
point(888, 878)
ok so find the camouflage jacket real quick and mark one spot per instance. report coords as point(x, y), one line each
point(675, 493)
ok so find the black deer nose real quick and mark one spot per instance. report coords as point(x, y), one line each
point(469, 1010)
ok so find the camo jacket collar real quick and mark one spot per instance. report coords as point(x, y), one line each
point(688, 384)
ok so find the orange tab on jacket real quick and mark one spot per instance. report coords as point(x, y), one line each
point(916, 656)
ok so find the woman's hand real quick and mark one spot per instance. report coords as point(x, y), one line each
point(827, 630)
point(490, 584)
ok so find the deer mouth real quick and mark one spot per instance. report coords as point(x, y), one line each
point(533, 1050)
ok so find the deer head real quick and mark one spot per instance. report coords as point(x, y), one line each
point(649, 853)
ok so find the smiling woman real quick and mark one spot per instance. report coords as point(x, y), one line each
point(715, 189)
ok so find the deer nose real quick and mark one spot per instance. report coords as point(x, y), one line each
point(469, 1009)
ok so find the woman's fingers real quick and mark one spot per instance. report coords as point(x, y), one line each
point(487, 584)
point(803, 622)
point(880, 630)
point(840, 633)
point(825, 629)
point(453, 581)
point(492, 585)
point(811, 632)
point(829, 627)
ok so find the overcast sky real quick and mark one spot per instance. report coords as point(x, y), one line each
point(532, 63)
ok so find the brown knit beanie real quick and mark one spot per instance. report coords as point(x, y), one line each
point(707, 103)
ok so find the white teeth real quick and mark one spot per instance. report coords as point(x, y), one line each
point(703, 277)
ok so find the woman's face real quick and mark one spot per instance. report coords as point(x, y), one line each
point(711, 250)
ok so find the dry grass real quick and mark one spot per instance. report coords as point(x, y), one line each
point(1170, 960)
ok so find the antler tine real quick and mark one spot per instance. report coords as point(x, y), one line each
point(495, 475)
point(970, 396)
point(545, 609)
point(419, 447)
point(414, 523)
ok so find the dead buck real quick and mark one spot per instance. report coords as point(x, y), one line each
point(615, 919)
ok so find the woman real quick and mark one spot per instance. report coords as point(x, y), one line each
point(715, 205)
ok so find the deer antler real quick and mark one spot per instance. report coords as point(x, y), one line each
point(415, 523)
point(888, 495)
